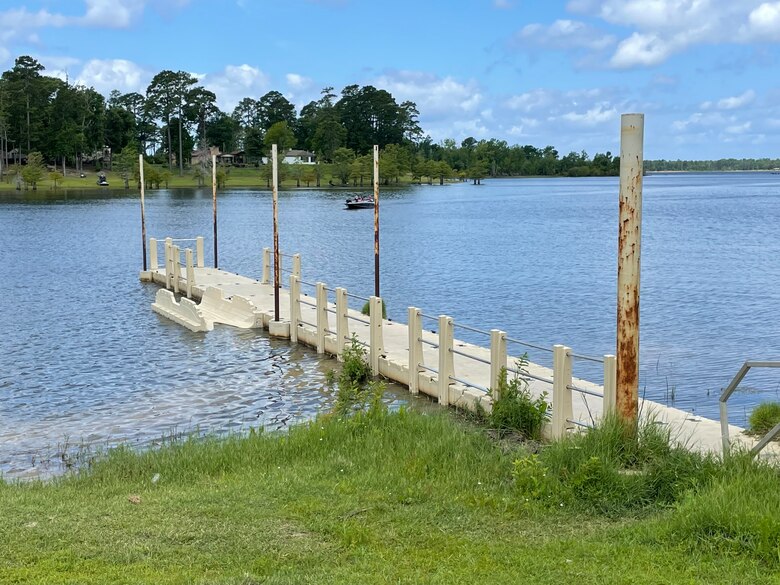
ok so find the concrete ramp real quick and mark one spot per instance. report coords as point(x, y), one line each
point(213, 308)
point(185, 313)
point(236, 311)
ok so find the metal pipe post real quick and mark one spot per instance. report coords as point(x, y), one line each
point(629, 241)
point(143, 215)
point(376, 220)
point(275, 177)
point(214, 198)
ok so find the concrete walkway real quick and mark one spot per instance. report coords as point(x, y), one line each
point(470, 373)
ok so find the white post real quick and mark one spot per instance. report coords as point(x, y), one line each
point(295, 307)
point(296, 269)
point(446, 358)
point(153, 254)
point(629, 244)
point(342, 322)
point(562, 408)
point(199, 252)
point(415, 349)
point(176, 268)
point(376, 344)
point(190, 271)
point(497, 360)
point(321, 295)
point(610, 373)
point(169, 263)
point(266, 266)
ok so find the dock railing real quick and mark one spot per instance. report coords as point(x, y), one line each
point(436, 375)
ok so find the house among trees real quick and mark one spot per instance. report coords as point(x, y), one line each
point(296, 157)
point(202, 156)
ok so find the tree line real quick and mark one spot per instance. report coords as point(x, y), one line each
point(176, 115)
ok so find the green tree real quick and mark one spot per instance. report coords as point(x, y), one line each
point(126, 163)
point(166, 98)
point(281, 135)
point(33, 171)
point(342, 160)
point(273, 108)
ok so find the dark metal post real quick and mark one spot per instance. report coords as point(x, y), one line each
point(376, 220)
point(629, 241)
point(214, 197)
point(276, 230)
point(143, 215)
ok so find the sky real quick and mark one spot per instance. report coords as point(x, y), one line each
point(541, 72)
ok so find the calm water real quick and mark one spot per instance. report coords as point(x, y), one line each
point(84, 360)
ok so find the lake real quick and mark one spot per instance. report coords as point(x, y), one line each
point(85, 362)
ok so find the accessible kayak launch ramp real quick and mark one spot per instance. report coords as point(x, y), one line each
point(235, 311)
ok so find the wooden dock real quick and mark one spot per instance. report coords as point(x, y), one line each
point(429, 360)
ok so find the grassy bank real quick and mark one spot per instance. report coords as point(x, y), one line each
point(385, 498)
point(236, 177)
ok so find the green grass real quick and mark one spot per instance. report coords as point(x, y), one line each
point(376, 498)
point(764, 418)
point(237, 177)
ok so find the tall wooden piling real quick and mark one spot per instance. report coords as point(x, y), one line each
point(275, 177)
point(143, 213)
point(376, 220)
point(214, 199)
point(629, 242)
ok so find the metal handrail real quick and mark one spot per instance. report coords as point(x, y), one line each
point(724, 414)
point(474, 329)
point(584, 391)
point(471, 357)
point(588, 358)
point(527, 344)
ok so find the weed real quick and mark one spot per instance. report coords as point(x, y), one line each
point(356, 389)
point(514, 409)
point(366, 310)
point(612, 470)
point(764, 418)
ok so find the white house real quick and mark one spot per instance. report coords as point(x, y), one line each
point(296, 157)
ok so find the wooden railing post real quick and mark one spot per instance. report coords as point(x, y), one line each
point(176, 268)
point(610, 385)
point(295, 307)
point(322, 316)
point(376, 345)
point(266, 266)
point(199, 254)
point(153, 254)
point(497, 360)
point(169, 263)
point(446, 358)
point(342, 322)
point(415, 349)
point(296, 269)
point(190, 271)
point(562, 407)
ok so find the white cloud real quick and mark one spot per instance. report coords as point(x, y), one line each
point(236, 82)
point(108, 74)
point(739, 128)
point(732, 103)
point(641, 49)
point(532, 100)
point(502, 4)
point(298, 82)
point(764, 22)
point(435, 96)
point(564, 34)
point(594, 116)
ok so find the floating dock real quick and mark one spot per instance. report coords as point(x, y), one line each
point(429, 360)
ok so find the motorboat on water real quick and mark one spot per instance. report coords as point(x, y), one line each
point(102, 181)
point(359, 202)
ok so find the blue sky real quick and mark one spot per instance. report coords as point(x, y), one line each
point(704, 72)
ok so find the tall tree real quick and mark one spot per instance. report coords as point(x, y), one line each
point(201, 107)
point(165, 98)
point(273, 107)
point(281, 135)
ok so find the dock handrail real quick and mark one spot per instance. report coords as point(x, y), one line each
point(724, 413)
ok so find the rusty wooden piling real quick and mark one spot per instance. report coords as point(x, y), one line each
point(376, 221)
point(629, 242)
point(143, 214)
point(214, 199)
point(275, 176)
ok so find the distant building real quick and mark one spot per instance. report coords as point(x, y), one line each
point(296, 157)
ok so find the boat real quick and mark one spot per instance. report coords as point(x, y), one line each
point(102, 180)
point(359, 202)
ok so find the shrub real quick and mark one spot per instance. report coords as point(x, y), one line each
point(738, 512)
point(356, 389)
point(366, 310)
point(764, 418)
point(515, 410)
point(616, 470)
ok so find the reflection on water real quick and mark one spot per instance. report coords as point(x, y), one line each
point(84, 359)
